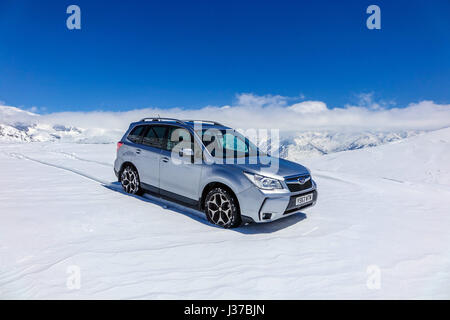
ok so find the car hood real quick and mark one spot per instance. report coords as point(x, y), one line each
point(272, 167)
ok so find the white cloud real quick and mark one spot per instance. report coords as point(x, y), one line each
point(309, 107)
point(269, 111)
point(367, 100)
point(254, 101)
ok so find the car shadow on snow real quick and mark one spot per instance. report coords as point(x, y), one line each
point(253, 228)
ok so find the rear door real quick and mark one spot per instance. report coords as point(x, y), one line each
point(133, 145)
point(150, 155)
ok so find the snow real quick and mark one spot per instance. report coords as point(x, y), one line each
point(385, 207)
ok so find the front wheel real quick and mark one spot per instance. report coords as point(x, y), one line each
point(130, 180)
point(221, 208)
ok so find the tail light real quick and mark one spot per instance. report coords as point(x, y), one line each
point(119, 144)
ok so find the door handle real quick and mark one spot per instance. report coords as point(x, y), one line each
point(138, 151)
point(165, 159)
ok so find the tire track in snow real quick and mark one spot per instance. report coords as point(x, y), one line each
point(74, 156)
point(147, 197)
point(75, 171)
point(161, 202)
point(330, 177)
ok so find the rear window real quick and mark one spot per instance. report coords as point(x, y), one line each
point(136, 134)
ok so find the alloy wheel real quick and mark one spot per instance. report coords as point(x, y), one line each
point(219, 209)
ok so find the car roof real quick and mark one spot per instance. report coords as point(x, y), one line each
point(186, 123)
point(206, 125)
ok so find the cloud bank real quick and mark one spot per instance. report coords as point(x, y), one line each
point(268, 111)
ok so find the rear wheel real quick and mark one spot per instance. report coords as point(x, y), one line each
point(130, 180)
point(221, 208)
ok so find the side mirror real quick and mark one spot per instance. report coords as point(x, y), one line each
point(186, 152)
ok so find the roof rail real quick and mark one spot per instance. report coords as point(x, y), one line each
point(206, 121)
point(162, 119)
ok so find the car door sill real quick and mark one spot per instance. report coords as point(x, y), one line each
point(167, 195)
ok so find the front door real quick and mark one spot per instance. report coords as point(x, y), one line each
point(179, 174)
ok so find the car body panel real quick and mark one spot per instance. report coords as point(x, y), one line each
point(179, 176)
point(148, 164)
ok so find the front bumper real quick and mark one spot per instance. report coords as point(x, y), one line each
point(264, 206)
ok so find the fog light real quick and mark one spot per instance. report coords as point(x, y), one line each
point(266, 216)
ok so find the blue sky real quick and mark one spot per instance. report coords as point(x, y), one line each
point(135, 54)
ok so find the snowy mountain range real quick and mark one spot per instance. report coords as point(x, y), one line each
point(301, 145)
point(298, 145)
point(37, 133)
point(19, 126)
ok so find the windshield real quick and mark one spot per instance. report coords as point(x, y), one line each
point(228, 143)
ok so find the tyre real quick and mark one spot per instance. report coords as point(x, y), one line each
point(130, 180)
point(221, 208)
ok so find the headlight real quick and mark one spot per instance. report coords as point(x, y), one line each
point(262, 182)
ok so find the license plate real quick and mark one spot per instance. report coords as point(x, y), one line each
point(304, 199)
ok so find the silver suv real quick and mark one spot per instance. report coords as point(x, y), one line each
point(213, 168)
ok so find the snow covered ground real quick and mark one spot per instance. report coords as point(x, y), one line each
point(382, 211)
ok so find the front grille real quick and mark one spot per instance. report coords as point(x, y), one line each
point(295, 186)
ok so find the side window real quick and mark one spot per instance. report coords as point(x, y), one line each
point(234, 143)
point(136, 134)
point(179, 137)
point(155, 136)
